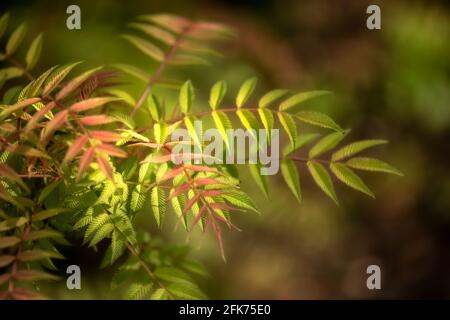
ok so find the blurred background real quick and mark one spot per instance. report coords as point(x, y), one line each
point(392, 83)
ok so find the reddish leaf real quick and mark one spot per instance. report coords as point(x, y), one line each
point(105, 167)
point(179, 190)
point(6, 260)
point(90, 104)
point(198, 168)
point(96, 120)
point(54, 124)
point(206, 181)
point(199, 215)
point(25, 294)
point(105, 136)
point(85, 161)
point(172, 174)
point(212, 193)
point(38, 115)
point(158, 159)
point(32, 275)
point(75, 148)
point(191, 202)
point(4, 277)
point(18, 106)
point(111, 150)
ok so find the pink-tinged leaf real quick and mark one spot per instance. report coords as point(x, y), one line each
point(218, 234)
point(172, 174)
point(158, 159)
point(7, 172)
point(111, 150)
point(32, 123)
point(146, 144)
point(212, 193)
point(105, 167)
point(75, 148)
point(90, 103)
point(54, 124)
point(179, 190)
point(191, 202)
point(26, 151)
point(18, 106)
point(4, 278)
point(75, 83)
point(25, 294)
point(199, 215)
point(198, 168)
point(105, 136)
point(206, 181)
point(85, 161)
point(33, 275)
point(97, 120)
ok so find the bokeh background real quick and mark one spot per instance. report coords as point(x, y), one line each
point(392, 83)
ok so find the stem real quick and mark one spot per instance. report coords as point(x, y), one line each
point(167, 57)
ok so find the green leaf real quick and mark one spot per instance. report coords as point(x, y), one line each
point(302, 140)
point(42, 215)
point(170, 274)
point(10, 73)
point(245, 91)
point(139, 291)
point(158, 201)
point(347, 176)
point(56, 77)
point(288, 123)
point(354, 148)
point(327, 143)
point(322, 179)
point(34, 52)
point(186, 291)
point(11, 223)
point(132, 71)
point(260, 180)
point(178, 204)
point(146, 47)
point(4, 23)
point(292, 103)
point(249, 122)
point(318, 119)
point(101, 233)
point(43, 234)
point(38, 254)
point(155, 32)
point(186, 96)
point(371, 164)
point(138, 196)
point(291, 177)
point(48, 190)
point(222, 123)
point(160, 132)
point(217, 93)
point(15, 39)
point(155, 108)
point(96, 223)
point(271, 97)
point(195, 136)
point(33, 275)
point(240, 200)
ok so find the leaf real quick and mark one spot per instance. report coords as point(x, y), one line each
point(139, 291)
point(56, 77)
point(318, 119)
point(18, 106)
point(101, 233)
point(7, 172)
point(371, 164)
point(38, 254)
point(186, 96)
point(302, 140)
point(288, 123)
point(75, 83)
point(347, 176)
point(25, 294)
point(138, 196)
point(178, 204)
point(292, 103)
point(11, 223)
point(245, 91)
point(267, 120)
point(172, 275)
point(54, 124)
point(33, 275)
point(111, 150)
point(45, 214)
point(260, 180)
point(105, 136)
point(158, 201)
point(217, 93)
point(249, 122)
point(15, 39)
point(354, 148)
point(222, 123)
point(270, 97)
point(4, 23)
point(105, 167)
point(10, 73)
point(168, 21)
point(32, 123)
point(326, 143)
point(37, 84)
point(6, 242)
point(6, 260)
point(85, 161)
point(155, 108)
point(186, 291)
point(155, 32)
point(44, 234)
point(91, 103)
point(26, 151)
point(96, 120)
point(133, 71)
point(146, 47)
point(75, 148)
point(239, 199)
point(322, 179)
point(34, 52)
point(290, 174)
point(195, 136)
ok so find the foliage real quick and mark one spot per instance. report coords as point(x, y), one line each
point(74, 162)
